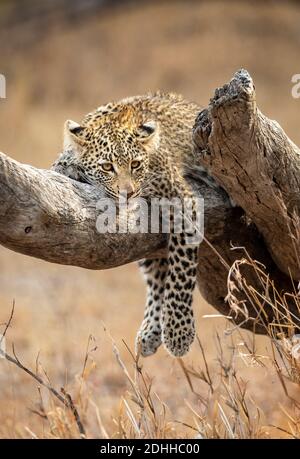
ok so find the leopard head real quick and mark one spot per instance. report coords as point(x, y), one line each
point(113, 149)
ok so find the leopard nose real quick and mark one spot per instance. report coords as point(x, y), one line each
point(130, 194)
point(126, 194)
point(127, 191)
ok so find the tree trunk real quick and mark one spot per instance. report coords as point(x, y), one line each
point(257, 164)
point(49, 216)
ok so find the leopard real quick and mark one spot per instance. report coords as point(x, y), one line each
point(141, 146)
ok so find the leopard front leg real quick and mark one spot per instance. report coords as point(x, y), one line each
point(149, 336)
point(177, 319)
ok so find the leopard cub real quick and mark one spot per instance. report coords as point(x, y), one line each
point(139, 147)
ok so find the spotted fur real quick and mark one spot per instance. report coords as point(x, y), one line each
point(154, 133)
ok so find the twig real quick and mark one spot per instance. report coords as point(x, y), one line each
point(8, 323)
point(74, 411)
point(66, 400)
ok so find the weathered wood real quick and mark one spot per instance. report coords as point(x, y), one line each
point(49, 216)
point(256, 163)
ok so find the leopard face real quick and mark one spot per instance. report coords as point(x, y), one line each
point(112, 150)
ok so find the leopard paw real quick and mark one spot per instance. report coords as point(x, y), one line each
point(148, 341)
point(178, 341)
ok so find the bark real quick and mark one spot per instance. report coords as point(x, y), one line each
point(256, 163)
point(49, 216)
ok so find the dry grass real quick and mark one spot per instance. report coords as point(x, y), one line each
point(217, 401)
point(232, 384)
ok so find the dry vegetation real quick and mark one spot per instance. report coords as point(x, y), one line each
point(76, 328)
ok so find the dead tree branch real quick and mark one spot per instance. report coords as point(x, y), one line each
point(257, 164)
point(49, 216)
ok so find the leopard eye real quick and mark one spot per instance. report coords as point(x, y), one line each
point(107, 167)
point(135, 164)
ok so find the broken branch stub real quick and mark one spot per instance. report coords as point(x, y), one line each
point(256, 163)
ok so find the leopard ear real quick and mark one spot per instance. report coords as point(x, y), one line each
point(148, 133)
point(73, 136)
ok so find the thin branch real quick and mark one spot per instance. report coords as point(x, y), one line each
point(8, 323)
point(75, 412)
point(66, 400)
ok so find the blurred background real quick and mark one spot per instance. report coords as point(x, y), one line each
point(61, 59)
